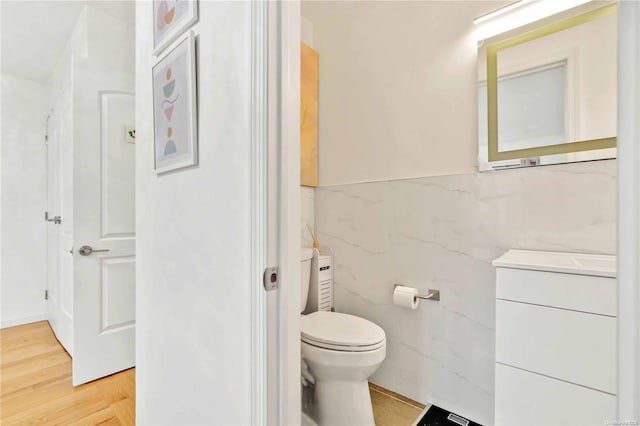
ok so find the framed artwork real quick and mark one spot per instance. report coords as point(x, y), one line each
point(170, 19)
point(174, 108)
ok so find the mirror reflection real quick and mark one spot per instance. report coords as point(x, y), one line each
point(555, 93)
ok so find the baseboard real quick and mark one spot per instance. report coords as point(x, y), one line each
point(396, 395)
point(23, 320)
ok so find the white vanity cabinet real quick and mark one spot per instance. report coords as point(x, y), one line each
point(555, 338)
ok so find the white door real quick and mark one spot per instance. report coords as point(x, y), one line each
point(60, 232)
point(104, 222)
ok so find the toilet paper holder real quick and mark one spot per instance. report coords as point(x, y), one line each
point(431, 294)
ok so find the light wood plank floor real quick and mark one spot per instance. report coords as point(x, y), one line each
point(393, 409)
point(35, 384)
point(35, 387)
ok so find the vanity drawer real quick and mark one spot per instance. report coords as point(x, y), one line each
point(528, 399)
point(571, 346)
point(584, 293)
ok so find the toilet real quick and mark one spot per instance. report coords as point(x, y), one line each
point(342, 351)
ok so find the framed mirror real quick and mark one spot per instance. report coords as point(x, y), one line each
point(547, 93)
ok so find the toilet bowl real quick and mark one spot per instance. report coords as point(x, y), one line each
point(342, 351)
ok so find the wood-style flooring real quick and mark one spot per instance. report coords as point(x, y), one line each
point(392, 409)
point(35, 384)
point(35, 387)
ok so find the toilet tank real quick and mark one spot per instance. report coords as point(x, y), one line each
point(305, 275)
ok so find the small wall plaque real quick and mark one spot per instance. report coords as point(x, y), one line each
point(130, 134)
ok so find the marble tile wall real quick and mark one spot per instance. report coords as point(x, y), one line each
point(442, 233)
point(307, 214)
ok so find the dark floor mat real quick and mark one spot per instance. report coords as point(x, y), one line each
point(437, 416)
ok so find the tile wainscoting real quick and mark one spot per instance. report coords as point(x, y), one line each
point(307, 214)
point(442, 233)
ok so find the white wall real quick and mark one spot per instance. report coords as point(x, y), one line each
point(99, 37)
point(77, 45)
point(193, 237)
point(442, 233)
point(110, 40)
point(397, 88)
point(24, 200)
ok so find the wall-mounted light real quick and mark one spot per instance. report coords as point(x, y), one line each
point(518, 14)
point(501, 11)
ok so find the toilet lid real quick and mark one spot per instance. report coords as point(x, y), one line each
point(337, 331)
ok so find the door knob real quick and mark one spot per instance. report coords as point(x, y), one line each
point(87, 250)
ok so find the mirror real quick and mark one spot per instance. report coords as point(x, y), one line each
point(547, 94)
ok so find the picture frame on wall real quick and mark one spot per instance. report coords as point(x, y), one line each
point(175, 109)
point(170, 19)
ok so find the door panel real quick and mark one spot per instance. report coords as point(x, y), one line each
point(66, 287)
point(104, 205)
point(118, 192)
point(118, 298)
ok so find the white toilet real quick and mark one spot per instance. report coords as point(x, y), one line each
point(342, 351)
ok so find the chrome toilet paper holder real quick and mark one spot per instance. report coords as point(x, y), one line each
point(431, 294)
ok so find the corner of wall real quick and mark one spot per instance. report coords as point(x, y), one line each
point(76, 45)
point(115, 51)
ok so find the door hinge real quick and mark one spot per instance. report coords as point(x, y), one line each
point(270, 278)
point(56, 219)
point(46, 295)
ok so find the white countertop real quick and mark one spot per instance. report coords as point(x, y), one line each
point(570, 263)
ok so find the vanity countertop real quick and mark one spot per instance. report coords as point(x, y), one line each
point(571, 263)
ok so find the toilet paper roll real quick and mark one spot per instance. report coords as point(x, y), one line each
point(405, 297)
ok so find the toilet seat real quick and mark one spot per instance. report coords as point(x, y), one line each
point(341, 332)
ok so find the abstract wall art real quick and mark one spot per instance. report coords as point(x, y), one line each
point(170, 19)
point(174, 108)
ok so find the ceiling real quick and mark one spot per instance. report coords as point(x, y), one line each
point(34, 33)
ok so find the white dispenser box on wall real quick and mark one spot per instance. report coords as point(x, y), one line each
point(321, 285)
point(555, 339)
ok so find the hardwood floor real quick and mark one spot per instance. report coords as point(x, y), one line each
point(393, 409)
point(35, 384)
point(35, 387)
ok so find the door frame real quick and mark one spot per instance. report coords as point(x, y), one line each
point(289, 234)
point(259, 121)
point(57, 134)
point(275, 200)
point(628, 345)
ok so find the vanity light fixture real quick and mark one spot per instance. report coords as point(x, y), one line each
point(501, 11)
point(518, 14)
